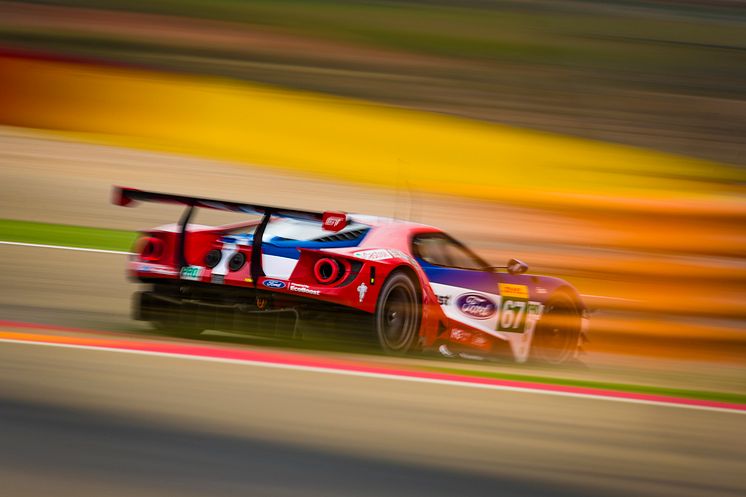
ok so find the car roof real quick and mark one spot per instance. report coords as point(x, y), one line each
point(391, 233)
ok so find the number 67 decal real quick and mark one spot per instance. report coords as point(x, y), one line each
point(512, 315)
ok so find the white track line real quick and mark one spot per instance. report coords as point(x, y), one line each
point(382, 376)
point(100, 251)
point(62, 247)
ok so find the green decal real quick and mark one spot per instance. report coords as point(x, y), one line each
point(191, 273)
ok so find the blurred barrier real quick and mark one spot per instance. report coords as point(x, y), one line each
point(352, 140)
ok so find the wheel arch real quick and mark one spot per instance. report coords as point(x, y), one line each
point(570, 292)
point(411, 273)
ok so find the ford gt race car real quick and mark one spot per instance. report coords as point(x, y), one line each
point(408, 286)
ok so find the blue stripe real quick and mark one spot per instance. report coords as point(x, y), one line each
point(486, 281)
point(283, 247)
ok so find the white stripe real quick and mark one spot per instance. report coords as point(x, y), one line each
point(278, 267)
point(62, 247)
point(383, 376)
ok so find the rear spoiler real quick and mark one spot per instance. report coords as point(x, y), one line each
point(128, 197)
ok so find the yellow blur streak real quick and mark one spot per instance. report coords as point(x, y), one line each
point(341, 138)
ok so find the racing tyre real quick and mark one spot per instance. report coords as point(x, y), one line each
point(557, 332)
point(397, 319)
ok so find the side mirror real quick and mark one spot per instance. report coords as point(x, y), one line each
point(517, 267)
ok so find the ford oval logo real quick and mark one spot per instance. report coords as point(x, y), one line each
point(274, 283)
point(476, 306)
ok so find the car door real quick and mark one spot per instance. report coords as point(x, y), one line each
point(471, 293)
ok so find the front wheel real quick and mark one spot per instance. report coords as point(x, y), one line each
point(397, 318)
point(558, 331)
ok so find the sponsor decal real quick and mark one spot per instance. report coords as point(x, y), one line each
point(296, 287)
point(476, 306)
point(382, 254)
point(443, 299)
point(248, 280)
point(193, 273)
point(374, 254)
point(479, 341)
point(510, 290)
point(333, 221)
point(362, 290)
point(218, 279)
point(459, 335)
point(273, 283)
point(541, 290)
point(156, 269)
point(401, 255)
point(535, 309)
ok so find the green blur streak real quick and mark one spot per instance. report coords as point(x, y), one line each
point(620, 387)
point(65, 235)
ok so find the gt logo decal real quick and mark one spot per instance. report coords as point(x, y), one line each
point(333, 221)
point(509, 290)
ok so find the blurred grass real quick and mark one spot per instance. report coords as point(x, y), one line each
point(66, 235)
point(620, 387)
point(454, 28)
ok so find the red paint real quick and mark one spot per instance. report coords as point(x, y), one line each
point(125, 342)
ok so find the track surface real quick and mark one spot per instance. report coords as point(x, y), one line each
point(81, 422)
point(95, 422)
point(85, 422)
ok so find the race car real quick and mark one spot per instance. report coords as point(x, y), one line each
point(408, 286)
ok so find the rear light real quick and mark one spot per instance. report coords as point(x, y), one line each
point(237, 261)
point(213, 258)
point(152, 249)
point(327, 270)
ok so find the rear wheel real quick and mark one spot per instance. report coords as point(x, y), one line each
point(557, 332)
point(397, 319)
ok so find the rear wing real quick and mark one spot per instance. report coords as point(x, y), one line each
point(128, 197)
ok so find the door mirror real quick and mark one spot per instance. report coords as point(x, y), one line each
point(517, 267)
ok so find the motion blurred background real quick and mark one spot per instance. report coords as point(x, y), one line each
point(599, 141)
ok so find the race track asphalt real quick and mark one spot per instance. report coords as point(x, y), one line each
point(90, 422)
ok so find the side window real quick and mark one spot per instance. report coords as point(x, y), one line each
point(441, 250)
point(430, 249)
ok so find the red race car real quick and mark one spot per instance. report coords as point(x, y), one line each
point(284, 272)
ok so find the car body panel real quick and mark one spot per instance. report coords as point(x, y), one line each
point(479, 311)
